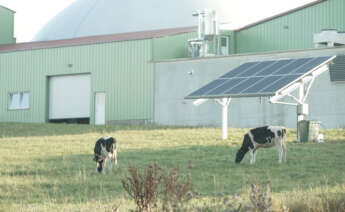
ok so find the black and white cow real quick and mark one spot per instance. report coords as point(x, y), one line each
point(105, 153)
point(267, 136)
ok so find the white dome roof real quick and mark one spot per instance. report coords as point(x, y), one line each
point(97, 17)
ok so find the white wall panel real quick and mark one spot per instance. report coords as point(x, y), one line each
point(174, 81)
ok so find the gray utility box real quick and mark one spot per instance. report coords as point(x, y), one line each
point(308, 130)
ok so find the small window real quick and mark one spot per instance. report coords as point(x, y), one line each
point(224, 41)
point(19, 100)
point(24, 100)
point(14, 100)
point(224, 45)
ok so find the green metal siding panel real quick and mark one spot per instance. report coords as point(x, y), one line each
point(121, 69)
point(172, 46)
point(6, 26)
point(292, 31)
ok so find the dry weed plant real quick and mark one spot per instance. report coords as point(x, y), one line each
point(260, 198)
point(176, 191)
point(143, 187)
point(172, 189)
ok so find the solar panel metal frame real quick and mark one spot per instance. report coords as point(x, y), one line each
point(262, 94)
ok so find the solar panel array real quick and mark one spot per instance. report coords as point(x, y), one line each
point(258, 78)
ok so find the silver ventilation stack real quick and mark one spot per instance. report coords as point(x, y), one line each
point(206, 44)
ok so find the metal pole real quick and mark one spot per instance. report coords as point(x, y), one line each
point(300, 117)
point(225, 104)
point(224, 120)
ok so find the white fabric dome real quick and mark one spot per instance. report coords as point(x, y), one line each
point(96, 17)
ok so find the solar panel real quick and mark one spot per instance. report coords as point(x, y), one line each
point(259, 78)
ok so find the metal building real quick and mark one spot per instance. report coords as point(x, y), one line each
point(288, 35)
point(7, 28)
point(104, 79)
point(293, 29)
point(142, 77)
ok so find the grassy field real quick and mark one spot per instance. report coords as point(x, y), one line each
point(49, 167)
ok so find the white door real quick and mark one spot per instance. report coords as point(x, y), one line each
point(69, 96)
point(100, 109)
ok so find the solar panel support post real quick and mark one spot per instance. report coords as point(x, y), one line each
point(225, 105)
point(277, 79)
point(301, 115)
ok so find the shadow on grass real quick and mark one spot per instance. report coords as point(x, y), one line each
point(52, 129)
point(211, 168)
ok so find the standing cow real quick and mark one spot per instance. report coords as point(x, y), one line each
point(267, 136)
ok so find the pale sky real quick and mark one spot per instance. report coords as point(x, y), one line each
point(32, 15)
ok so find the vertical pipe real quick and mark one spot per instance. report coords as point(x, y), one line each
point(216, 32)
point(200, 25)
point(225, 122)
point(301, 98)
point(225, 104)
point(300, 117)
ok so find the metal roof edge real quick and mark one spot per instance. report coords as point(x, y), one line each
point(245, 54)
point(8, 9)
point(279, 15)
point(97, 39)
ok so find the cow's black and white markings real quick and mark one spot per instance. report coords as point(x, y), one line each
point(105, 153)
point(267, 136)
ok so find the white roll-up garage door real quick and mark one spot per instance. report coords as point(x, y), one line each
point(69, 96)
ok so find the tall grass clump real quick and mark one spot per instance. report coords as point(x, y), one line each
point(319, 199)
point(143, 187)
point(157, 189)
point(260, 198)
point(176, 190)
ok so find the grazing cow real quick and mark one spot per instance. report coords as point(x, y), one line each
point(267, 136)
point(105, 153)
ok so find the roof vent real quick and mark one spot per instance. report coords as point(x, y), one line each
point(329, 37)
point(206, 43)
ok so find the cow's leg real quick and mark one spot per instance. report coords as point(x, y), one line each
point(280, 149)
point(109, 164)
point(103, 165)
point(280, 155)
point(284, 150)
point(114, 158)
point(255, 155)
point(98, 168)
point(252, 156)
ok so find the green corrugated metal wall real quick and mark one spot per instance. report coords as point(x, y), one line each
point(292, 31)
point(6, 26)
point(122, 69)
point(172, 46)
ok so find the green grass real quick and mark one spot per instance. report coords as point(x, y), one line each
point(49, 167)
